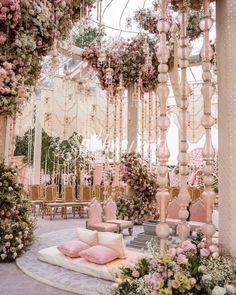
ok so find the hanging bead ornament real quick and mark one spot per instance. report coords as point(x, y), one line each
point(106, 150)
point(128, 23)
point(143, 123)
point(114, 147)
point(163, 154)
point(146, 47)
point(150, 130)
point(207, 121)
point(135, 95)
point(183, 228)
point(101, 58)
point(109, 73)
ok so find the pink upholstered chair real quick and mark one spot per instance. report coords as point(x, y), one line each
point(197, 214)
point(94, 221)
point(172, 216)
point(110, 210)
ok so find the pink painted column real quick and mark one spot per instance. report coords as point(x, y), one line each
point(208, 121)
point(163, 153)
point(183, 228)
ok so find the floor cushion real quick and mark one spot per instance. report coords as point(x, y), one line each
point(72, 248)
point(99, 254)
point(113, 241)
point(87, 236)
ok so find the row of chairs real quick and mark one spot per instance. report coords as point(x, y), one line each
point(48, 200)
point(85, 193)
point(194, 192)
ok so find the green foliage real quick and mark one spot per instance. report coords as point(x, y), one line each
point(16, 226)
point(54, 149)
point(89, 36)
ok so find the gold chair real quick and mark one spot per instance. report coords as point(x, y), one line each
point(85, 193)
point(35, 197)
point(51, 201)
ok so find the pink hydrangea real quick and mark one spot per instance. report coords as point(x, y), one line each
point(188, 246)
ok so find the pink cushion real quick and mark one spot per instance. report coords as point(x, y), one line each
point(99, 254)
point(72, 248)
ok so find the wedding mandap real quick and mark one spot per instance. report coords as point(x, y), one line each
point(117, 147)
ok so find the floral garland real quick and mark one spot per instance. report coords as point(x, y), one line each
point(28, 31)
point(127, 60)
point(194, 4)
point(190, 268)
point(16, 227)
point(147, 20)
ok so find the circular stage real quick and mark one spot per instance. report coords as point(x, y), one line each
point(57, 276)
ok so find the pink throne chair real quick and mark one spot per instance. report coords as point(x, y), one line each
point(197, 214)
point(95, 222)
point(172, 216)
point(110, 210)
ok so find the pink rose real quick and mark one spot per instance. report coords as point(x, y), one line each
point(156, 276)
point(188, 246)
point(3, 38)
point(173, 252)
point(214, 248)
point(182, 259)
point(179, 251)
point(201, 245)
point(204, 252)
point(135, 274)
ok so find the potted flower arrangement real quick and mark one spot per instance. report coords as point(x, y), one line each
point(16, 226)
point(141, 206)
point(189, 268)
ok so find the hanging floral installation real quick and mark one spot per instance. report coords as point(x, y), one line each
point(16, 226)
point(28, 31)
point(147, 20)
point(190, 268)
point(127, 58)
point(141, 206)
point(193, 4)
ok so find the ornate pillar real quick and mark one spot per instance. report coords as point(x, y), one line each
point(207, 121)
point(183, 158)
point(132, 122)
point(163, 154)
point(226, 70)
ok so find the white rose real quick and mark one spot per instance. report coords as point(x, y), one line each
point(215, 255)
point(230, 289)
point(3, 256)
point(14, 255)
point(218, 291)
